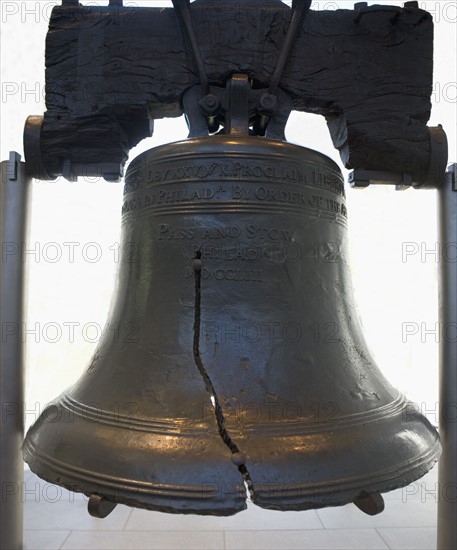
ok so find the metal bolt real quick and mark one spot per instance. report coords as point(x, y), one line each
point(268, 103)
point(209, 104)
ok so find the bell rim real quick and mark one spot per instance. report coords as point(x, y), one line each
point(287, 477)
point(345, 492)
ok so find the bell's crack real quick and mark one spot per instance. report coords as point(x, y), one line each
point(238, 458)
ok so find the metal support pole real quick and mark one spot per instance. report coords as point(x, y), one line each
point(14, 191)
point(447, 469)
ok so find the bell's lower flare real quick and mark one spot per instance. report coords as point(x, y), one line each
point(246, 371)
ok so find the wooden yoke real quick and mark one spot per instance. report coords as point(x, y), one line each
point(110, 71)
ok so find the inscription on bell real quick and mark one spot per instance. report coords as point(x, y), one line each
point(239, 275)
point(269, 253)
point(237, 170)
point(184, 194)
point(225, 172)
point(250, 231)
point(235, 193)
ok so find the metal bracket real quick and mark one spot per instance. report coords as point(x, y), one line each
point(206, 115)
point(238, 89)
point(32, 148)
point(360, 179)
point(185, 22)
point(237, 120)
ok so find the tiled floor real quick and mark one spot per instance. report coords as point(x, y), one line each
point(56, 519)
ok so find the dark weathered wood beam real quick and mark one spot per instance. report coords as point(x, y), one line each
point(111, 70)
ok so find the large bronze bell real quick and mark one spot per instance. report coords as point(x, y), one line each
point(245, 368)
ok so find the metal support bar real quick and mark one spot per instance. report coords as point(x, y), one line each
point(299, 9)
point(447, 468)
point(14, 191)
point(185, 21)
point(269, 101)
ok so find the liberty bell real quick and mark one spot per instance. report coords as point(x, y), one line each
point(246, 373)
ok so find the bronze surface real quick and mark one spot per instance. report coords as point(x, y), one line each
point(239, 364)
